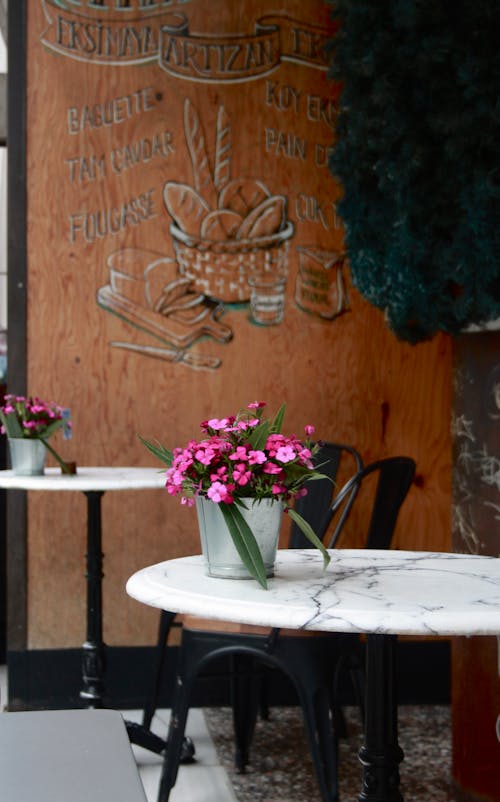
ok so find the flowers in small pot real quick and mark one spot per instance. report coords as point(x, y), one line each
point(33, 419)
point(239, 457)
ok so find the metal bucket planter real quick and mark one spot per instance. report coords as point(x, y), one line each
point(222, 559)
point(27, 456)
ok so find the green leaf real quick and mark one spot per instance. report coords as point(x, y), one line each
point(277, 423)
point(160, 452)
point(310, 534)
point(64, 467)
point(51, 428)
point(12, 426)
point(259, 436)
point(245, 543)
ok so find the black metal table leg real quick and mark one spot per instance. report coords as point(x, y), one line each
point(93, 658)
point(94, 648)
point(381, 754)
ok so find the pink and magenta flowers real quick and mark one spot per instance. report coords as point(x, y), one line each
point(238, 461)
point(241, 456)
point(30, 417)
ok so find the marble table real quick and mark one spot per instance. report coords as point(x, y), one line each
point(93, 482)
point(380, 593)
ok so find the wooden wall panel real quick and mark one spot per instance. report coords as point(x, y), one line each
point(345, 373)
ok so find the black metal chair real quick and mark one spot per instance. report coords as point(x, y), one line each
point(309, 662)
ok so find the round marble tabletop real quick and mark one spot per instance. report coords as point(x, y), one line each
point(87, 479)
point(380, 592)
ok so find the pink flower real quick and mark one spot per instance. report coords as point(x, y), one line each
point(175, 477)
point(309, 430)
point(220, 475)
point(215, 423)
point(272, 468)
point(240, 453)
point(240, 475)
point(205, 455)
point(277, 489)
point(187, 501)
point(285, 454)
point(218, 492)
point(256, 457)
point(256, 405)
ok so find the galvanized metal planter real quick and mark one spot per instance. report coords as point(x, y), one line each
point(27, 456)
point(222, 559)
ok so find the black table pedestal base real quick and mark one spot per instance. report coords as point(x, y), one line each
point(94, 649)
point(381, 754)
point(93, 656)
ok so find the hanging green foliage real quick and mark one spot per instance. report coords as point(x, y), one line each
point(417, 156)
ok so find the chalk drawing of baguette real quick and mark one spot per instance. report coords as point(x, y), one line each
point(195, 139)
point(222, 171)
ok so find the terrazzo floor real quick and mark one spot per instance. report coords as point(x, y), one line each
point(281, 769)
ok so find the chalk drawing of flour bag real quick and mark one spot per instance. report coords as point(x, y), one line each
point(224, 229)
point(320, 286)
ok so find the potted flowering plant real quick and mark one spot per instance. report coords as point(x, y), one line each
point(28, 420)
point(242, 462)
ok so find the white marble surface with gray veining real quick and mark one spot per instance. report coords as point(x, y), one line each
point(386, 592)
point(87, 478)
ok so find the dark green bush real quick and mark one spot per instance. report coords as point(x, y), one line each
point(416, 154)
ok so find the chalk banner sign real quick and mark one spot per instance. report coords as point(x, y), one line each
point(164, 36)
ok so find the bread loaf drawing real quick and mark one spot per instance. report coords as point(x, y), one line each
point(220, 208)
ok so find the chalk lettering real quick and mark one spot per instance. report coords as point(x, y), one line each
point(111, 112)
point(337, 222)
point(102, 40)
point(144, 150)
point(285, 144)
point(211, 59)
point(321, 109)
point(309, 210)
point(95, 225)
point(308, 45)
point(123, 5)
point(282, 96)
point(322, 154)
point(86, 168)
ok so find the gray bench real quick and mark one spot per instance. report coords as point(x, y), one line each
point(67, 756)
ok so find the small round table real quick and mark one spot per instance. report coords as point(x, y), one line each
point(93, 482)
point(380, 593)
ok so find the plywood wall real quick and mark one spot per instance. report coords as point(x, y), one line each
point(235, 112)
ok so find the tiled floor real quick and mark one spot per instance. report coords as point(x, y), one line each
point(202, 781)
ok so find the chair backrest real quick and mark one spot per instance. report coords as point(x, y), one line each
point(395, 477)
point(328, 458)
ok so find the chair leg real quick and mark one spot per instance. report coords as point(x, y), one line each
point(323, 745)
point(245, 702)
point(166, 619)
point(309, 668)
point(264, 696)
point(351, 662)
point(175, 738)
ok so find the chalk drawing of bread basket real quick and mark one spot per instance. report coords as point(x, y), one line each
point(224, 229)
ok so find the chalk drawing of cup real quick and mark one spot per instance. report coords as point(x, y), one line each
point(267, 298)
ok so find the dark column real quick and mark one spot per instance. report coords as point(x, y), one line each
point(476, 512)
